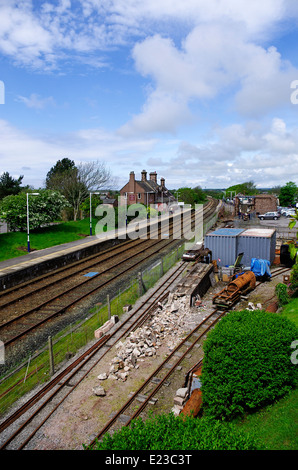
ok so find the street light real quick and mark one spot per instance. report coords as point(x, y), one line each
point(91, 211)
point(28, 241)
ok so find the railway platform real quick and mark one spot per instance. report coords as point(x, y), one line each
point(16, 270)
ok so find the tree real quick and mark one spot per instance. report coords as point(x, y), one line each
point(76, 182)
point(43, 209)
point(9, 185)
point(287, 194)
point(192, 196)
point(55, 175)
point(248, 189)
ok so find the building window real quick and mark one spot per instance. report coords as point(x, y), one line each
point(139, 196)
point(125, 195)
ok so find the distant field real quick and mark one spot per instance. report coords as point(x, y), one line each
point(14, 244)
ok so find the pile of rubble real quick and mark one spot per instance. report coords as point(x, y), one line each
point(166, 327)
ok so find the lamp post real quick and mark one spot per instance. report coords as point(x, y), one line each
point(28, 240)
point(91, 211)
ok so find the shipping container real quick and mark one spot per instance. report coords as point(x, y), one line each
point(257, 243)
point(224, 245)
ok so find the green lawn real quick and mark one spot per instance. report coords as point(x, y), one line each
point(14, 244)
point(291, 311)
point(276, 426)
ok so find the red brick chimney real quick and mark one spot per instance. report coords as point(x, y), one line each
point(131, 182)
point(153, 176)
point(144, 175)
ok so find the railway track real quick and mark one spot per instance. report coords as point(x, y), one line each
point(58, 388)
point(29, 307)
point(17, 431)
point(149, 389)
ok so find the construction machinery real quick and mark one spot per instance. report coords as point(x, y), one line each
point(241, 285)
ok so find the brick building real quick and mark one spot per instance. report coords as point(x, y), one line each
point(146, 191)
point(258, 204)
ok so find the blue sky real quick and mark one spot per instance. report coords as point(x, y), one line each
point(199, 91)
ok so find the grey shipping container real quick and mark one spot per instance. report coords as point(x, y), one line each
point(224, 245)
point(257, 243)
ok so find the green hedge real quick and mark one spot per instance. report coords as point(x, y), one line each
point(247, 363)
point(166, 432)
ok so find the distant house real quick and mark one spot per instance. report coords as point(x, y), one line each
point(108, 199)
point(146, 191)
point(258, 204)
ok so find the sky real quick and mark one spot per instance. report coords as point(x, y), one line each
point(201, 91)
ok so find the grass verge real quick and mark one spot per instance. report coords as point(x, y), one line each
point(14, 244)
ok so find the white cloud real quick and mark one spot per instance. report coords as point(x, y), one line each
point(161, 113)
point(41, 152)
point(213, 58)
point(241, 153)
point(38, 34)
point(35, 101)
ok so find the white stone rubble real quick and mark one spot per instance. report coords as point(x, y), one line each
point(167, 326)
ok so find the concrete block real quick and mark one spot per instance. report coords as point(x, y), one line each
point(98, 333)
point(181, 392)
point(178, 401)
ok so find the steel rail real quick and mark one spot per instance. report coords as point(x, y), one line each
point(71, 303)
point(81, 297)
point(102, 342)
point(159, 368)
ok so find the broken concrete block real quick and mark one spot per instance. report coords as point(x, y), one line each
point(102, 376)
point(99, 391)
point(181, 392)
point(176, 410)
point(178, 401)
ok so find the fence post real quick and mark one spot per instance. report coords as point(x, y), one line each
point(140, 284)
point(109, 306)
point(161, 267)
point(51, 355)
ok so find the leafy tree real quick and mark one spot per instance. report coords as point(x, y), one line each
point(9, 185)
point(54, 177)
point(248, 188)
point(192, 196)
point(75, 182)
point(287, 194)
point(43, 209)
point(95, 201)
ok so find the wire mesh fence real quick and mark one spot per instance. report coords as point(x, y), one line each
point(40, 365)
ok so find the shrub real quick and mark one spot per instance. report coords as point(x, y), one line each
point(247, 363)
point(294, 278)
point(167, 432)
point(281, 291)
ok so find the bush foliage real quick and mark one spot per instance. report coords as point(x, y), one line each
point(167, 432)
point(247, 363)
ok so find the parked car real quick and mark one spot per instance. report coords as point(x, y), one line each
point(269, 215)
point(201, 255)
point(290, 213)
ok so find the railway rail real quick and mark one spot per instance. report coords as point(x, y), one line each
point(17, 435)
point(79, 368)
point(159, 377)
point(64, 288)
